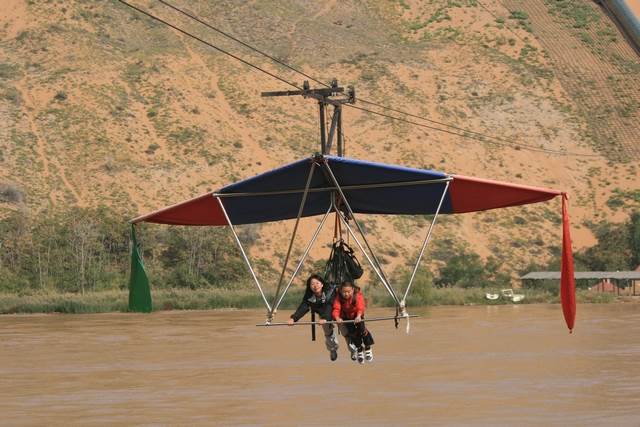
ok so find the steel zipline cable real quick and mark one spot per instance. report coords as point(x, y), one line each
point(219, 31)
point(480, 137)
point(467, 133)
point(497, 18)
point(193, 36)
point(505, 141)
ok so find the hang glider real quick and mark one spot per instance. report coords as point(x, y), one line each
point(323, 184)
point(370, 188)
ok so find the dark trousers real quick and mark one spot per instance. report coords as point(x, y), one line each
point(358, 334)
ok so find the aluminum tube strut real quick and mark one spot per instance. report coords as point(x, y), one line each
point(340, 139)
point(424, 245)
point(386, 285)
point(364, 238)
point(244, 255)
point(293, 234)
point(304, 256)
point(323, 138)
point(332, 130)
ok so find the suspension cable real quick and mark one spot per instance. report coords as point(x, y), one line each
point(467, 133)
point(211, 45)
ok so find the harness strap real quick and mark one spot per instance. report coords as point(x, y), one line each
point(395, 319)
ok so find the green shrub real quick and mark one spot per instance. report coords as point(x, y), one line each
point(464, 270)
point(519, 15)
point(60, 96)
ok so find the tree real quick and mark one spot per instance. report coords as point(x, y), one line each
point(495, 275)
point(613, 251)
point(465, 270)
point(200, 257)
point(84, 244)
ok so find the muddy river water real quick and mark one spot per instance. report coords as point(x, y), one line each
point(481, 366)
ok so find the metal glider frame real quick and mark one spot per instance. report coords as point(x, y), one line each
point(244, 255)
point(303, 258)
point(271, 309)
point(373, 260)
point(368, 252)
point(427, 239)
point(333, 322)
point(293, 236)
point(375, 264)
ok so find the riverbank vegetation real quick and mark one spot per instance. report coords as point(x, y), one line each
point(77, 261)
point(215, 298)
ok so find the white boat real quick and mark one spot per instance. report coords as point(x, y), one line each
point(508, 293)
point(492, 297)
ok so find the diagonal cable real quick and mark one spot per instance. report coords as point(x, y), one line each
point(478, 138)
point(193, 36)
point(467, 132)
point(211, 27)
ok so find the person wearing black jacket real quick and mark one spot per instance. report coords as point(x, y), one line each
point(318, 297)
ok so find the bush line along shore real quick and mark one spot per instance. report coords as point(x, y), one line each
point(206, 299)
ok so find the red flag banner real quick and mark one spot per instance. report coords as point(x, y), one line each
point(567, 279)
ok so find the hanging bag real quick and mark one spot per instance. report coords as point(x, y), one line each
point(342, 264)
point(351, 262)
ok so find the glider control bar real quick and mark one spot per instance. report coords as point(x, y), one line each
point(334, 322)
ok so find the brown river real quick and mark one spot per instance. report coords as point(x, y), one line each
point(464, 366)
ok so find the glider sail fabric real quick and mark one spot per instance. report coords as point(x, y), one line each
point(201, 210)
point(475, 194)
point(369, 187)
point(139, 292)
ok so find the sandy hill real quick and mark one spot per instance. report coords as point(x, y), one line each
point(101, 105)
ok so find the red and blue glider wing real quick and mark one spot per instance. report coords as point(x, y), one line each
point(369, 187)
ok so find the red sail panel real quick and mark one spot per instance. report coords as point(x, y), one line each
point(202, 210)
point(567, 278)
point(474, 194)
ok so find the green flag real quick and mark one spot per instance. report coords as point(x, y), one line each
point(139, 292)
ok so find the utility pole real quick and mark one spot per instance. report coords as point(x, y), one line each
point(335, 96)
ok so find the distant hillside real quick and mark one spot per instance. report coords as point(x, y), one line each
point(99, 105)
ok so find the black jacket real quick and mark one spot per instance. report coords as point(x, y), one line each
point(322, 305)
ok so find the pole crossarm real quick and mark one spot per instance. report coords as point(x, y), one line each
point(334, 95)
point(323, 95)
point(308, 92)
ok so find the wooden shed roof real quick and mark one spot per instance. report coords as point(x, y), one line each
point(548, 275)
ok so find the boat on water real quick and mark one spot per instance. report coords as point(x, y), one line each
point(505, 293)
point(508, 293)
